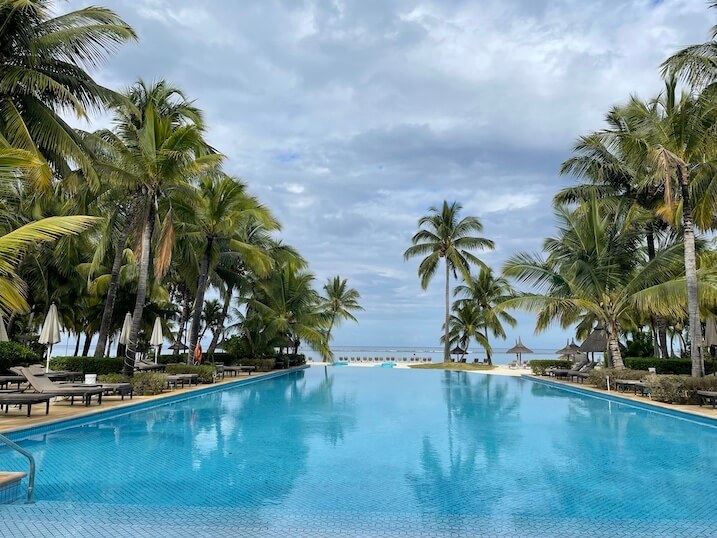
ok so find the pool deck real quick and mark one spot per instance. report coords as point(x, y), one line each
point(704, 412)
point(62, 410)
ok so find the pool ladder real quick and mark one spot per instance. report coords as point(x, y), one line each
point(30, 459)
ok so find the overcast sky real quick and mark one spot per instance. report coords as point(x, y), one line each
point(350, 118)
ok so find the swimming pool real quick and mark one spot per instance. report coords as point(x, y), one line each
point(375, 452)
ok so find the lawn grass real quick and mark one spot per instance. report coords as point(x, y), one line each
point(462, 366)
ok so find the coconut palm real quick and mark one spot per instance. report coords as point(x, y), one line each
point(596, 266)
point(697, 64)
point(156, 150)
point(215, 216)
point(675, 136)
point(466, 324)
point(339, 302)
point(289, 309)
point(486, 292)
point(42, 72)
point(442, 235)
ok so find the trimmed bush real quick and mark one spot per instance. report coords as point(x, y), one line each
point(540, 365)
point(15, 354)
point(598, 377)
point(113, 378)
point(679, 389)
point(262, 365)
point(87, 365)
point(206, 372)
point(667, 366)
point(148, 383)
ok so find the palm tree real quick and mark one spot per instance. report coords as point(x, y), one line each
point(158, 148)
point(216, 216)
point(697, 64)
point(339, 302)
point(466, 324)
point(486, 292)
point(596, 267)
point(289, 309)
point(442, 235)
point(676, 138)
point(42, 72)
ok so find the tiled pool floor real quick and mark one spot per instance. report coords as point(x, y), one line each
point(58, 519)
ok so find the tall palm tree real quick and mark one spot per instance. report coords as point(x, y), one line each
point(486, 292)
point(156, 151)
point(216, 216)
point(442, 235)
point(339, 302)
point(595, 267)
point(676, 137)
point(43, 62)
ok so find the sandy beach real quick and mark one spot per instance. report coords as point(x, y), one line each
point(499, 369)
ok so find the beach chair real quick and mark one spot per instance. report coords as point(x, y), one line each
point(43, 385)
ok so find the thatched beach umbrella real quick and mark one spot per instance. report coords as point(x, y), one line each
point(571, 350)
point(519, 349)
point(596, 342)
point(157, 338)
point(50, 333)
point(458, 350)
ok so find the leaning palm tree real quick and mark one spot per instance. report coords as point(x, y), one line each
point(486, 292)
point(43, 62)
point(442, 235)
point(339, 302)
point(596, 267)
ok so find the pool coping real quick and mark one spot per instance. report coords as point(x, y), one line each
point(59, 424)
point(653, 407)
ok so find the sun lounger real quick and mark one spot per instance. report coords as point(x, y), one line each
point(141, 366)
point(7, 380)
point(707, 397)
point(43, 385)
point(118, 389)
point(623, 385)
point(25, 398)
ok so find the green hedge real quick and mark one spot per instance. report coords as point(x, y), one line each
point(599, 377)
point(15, 354)
point(206, 371)
point(87, 365)
point(148, 383)
point(667, 366)
point(540, 365)
point(678, 389)
point(262, 365)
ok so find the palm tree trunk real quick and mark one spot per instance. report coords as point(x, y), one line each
point(86, 346)
point(225, 312)
point(142, 278)
point(199, 299)
point(77, 344)
point(446, 343)
point(112, 291)
point(660, 324)
point(698, 365)
point(183, 320)
point(613, 345)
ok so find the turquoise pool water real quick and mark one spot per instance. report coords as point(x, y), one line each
point(377, 452)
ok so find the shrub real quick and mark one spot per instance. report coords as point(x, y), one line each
point(148, 383)
point(678, 389)
point(15, 354)
point(539, 366)
point(262, 365)
point(87, 365)
point(666, 366)
point(206, 371)
point(113, 378)
point(598, 377)
point(292, 360)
